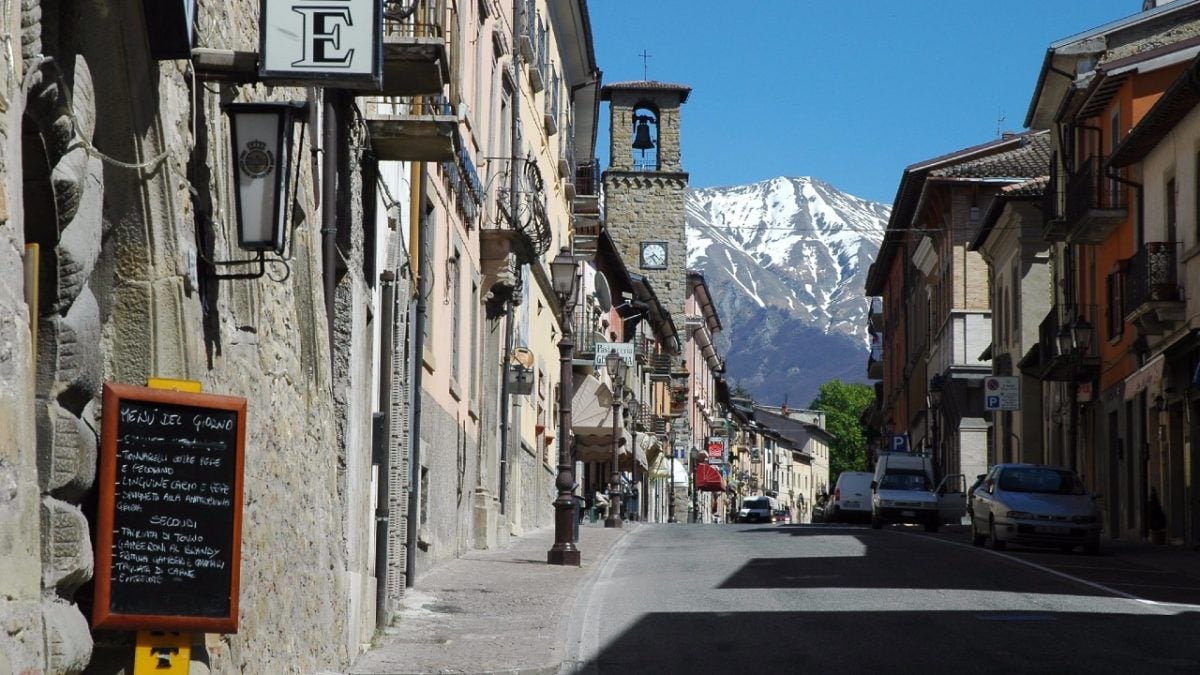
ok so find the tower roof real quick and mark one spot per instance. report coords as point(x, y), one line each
point(646, 86)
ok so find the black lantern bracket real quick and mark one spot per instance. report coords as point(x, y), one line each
point(264, 181)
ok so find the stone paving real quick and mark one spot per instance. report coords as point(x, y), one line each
point(493, 611)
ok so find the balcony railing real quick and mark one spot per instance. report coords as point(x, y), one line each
point(1153, 297)
point(414, 48)
point(531, 221)
point(1095, 203)
point(1152, 275)
point(587, 179)
point(1053, 223)
point(463, 182)
point(875, 363)
point(875, 314)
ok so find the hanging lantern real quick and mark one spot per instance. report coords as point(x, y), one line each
point(261, 135)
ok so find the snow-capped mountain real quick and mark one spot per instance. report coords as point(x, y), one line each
point(786, 260)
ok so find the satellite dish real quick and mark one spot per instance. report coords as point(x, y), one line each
point(602, 293)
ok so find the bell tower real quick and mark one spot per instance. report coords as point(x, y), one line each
point(645, 185)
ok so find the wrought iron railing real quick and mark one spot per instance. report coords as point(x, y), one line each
point(419, 19)
point(587, 178)
point(1050, 196)
point(1090, 189)
point(531, 217)
point(1152, 275)
point(462, 180)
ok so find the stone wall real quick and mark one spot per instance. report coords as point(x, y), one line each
point(140, 195)
point(22, 644)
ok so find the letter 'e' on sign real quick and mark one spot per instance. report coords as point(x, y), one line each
point(322, 42)
point(169, 515)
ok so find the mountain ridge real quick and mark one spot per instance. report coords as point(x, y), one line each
point(786, 260)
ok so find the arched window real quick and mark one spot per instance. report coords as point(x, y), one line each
point(645, 138)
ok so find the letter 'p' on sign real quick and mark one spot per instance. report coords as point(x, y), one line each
point(899, 443)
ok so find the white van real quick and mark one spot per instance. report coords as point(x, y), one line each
point(851, 498)
point(758, 509)
point(902, 491)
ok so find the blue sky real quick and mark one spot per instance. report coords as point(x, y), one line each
point(848, 91)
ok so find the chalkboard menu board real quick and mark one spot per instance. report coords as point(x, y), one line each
point(168, 537)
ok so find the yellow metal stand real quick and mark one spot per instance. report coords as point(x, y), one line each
point(159, 652)
point(164, 652)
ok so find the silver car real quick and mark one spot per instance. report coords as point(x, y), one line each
point(1034, 505)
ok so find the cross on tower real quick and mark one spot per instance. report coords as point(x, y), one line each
point(645, 64)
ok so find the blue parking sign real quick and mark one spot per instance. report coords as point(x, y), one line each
point(898, 443)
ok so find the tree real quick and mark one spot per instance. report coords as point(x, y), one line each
point(843, 405)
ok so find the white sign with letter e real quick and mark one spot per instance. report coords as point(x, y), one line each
point(324, 43)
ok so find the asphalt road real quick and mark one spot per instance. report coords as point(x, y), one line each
point(844, 599)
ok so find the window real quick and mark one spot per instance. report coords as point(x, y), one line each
point(1115, 307)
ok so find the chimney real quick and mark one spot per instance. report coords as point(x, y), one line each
point(1151, 4)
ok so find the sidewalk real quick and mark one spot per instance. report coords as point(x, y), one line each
point(494, 611)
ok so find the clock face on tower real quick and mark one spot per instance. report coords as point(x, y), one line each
point(654, 255)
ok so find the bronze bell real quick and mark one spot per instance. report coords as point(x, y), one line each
point(641, 136)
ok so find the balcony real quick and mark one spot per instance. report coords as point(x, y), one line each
point(1054, 365)
point(1054, 228)
point(875, 315)
point(1153, 297)
point(586, 217)
point(589, 331)
point(1095, 203)
point(522, 225)
point(552, 111)
point(415, 61)
point(418, 129)
point(875, 363)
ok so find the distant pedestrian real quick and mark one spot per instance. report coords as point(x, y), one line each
point(602, 504)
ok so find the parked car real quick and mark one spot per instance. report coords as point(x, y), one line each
point(902, 491)
point(756, 510)
point(971, 490)
point(851, 498)
point(1035, 505)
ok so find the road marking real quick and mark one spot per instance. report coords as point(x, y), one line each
point(1091, 584)
point(1015, 617)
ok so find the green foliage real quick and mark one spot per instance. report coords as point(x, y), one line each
point(843, 405)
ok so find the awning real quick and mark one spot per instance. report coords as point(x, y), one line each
point(591, 407)
point(598, 448)
point(1146, 378)
point(651, 446)
point(661, 468)
point(709, 479)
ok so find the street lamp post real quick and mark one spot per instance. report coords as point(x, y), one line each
point(564, 551)
point(1074, 341)
point(935, 403)
point(616, 372)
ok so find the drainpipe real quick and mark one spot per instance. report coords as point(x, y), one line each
point(382, 449)
point(418, 230)
point(329, 170)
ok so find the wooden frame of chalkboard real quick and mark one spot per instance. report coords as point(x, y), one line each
point(169, 523)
